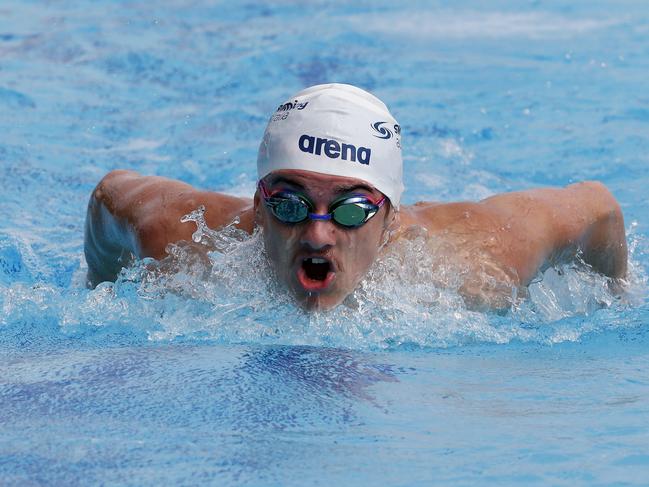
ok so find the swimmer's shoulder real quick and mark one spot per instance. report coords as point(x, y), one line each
point(437, 216)
point(152, 207)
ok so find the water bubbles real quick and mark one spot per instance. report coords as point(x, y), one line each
point(216, 240)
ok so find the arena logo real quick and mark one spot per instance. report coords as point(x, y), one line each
point(333, 149)
point(385, 132)
point(291, 105)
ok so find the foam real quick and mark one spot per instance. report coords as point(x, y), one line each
point(220, 287)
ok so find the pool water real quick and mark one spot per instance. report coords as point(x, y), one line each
point(210, 375)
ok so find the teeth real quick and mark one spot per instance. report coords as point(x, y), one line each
point(316, 260)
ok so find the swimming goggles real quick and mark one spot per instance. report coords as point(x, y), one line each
point(348, 211)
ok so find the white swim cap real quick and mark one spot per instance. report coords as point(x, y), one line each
point(336, 129)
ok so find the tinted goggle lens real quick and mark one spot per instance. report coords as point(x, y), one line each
point(350, 214)
point(290, 210)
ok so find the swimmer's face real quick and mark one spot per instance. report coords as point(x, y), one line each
point(320, 261)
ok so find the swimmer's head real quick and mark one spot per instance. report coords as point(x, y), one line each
point(324, 145)
point(335, 129)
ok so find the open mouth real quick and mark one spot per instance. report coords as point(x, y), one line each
point(315, 268)
point(315, 273)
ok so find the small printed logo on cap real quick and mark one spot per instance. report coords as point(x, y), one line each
point(383, 132)
point(291, 105)
point(387, 133)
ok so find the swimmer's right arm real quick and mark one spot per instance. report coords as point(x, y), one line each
point(132, 216)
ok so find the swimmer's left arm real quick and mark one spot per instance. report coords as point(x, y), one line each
point(551, 224)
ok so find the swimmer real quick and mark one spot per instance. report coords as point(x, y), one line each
point(328, 202)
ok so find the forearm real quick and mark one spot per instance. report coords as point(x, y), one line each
point(109, 243)
point(604, 244)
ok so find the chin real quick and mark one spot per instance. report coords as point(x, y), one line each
point(319, 302)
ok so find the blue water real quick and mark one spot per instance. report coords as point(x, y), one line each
point(172, 379)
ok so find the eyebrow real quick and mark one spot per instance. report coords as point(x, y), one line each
point(352, 187)
point(281, 179)
point(340, 189)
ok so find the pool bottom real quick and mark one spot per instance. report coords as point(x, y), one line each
point(285, 415)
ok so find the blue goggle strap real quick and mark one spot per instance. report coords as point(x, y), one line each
point(316, 216)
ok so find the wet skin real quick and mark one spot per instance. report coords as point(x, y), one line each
point(507, 238)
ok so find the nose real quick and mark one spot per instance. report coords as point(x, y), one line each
point(318, 235)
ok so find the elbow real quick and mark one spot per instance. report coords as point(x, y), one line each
point(109, 186)
point(601, 196)
point(598, 205)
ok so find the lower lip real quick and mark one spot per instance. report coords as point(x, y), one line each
point(311, 285)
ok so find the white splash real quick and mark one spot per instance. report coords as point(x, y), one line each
point(221, 287)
